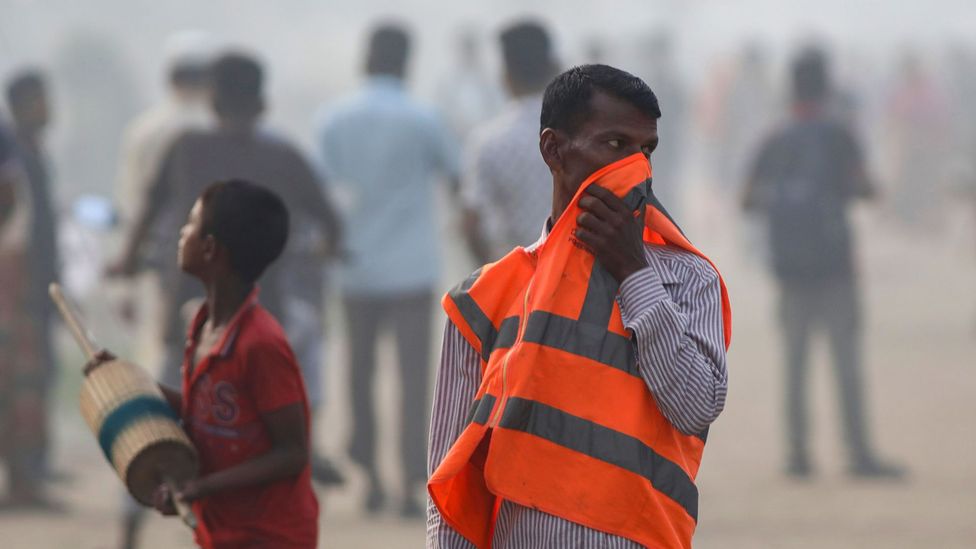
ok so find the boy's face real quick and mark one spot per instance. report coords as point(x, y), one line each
point(196, 251)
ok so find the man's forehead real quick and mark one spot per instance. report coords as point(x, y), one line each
point(608, 112)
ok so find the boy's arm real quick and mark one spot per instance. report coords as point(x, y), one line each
point(287, 457)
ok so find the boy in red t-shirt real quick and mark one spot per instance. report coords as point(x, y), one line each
point(243, 401)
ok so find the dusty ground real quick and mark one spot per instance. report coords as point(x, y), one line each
point(921, 341)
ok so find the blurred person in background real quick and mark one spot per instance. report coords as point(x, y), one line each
point(804, 179)
point(468, 95)
point(748, 111)
point(961, 85)
point(24, 377)
point(663, 77)
point(917, 139)
point(27, 98)
point(149, 136)
point(748, 114)
point(238, 147)
point(506, 189)
point(99, 100)
point(384, 152)
point(145, 142)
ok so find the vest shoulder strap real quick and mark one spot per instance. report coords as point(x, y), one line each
point(479, 305)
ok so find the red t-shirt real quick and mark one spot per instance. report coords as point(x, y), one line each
point(251, 371)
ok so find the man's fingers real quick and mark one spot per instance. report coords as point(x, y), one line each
point(596, 206)
point(611, 200)
point(593, 224)
point(591, 240)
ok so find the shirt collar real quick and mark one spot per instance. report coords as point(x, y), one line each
point(226, 343)
point(384, 81)
point(546, 227)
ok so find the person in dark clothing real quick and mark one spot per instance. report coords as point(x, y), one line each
point(27, 99)
point(804, 179)
point(237, 148)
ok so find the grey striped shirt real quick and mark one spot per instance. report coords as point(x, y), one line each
point(674, 309)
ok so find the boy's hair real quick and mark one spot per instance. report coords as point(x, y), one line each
point(566, 102)
point(249, 220)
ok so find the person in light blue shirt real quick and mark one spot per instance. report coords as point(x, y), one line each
point(384, 153)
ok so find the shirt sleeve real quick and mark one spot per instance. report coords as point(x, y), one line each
point(326, 158)
point(6, 145)
point(446, 154)
point(762, 165)
point(160, 188)
point(680, 340)
point(853, 164)
point(458, 377)
point(473, 181)
point(306, 193)
point(273, 379)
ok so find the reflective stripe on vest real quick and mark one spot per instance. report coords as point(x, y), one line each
point(563, 422)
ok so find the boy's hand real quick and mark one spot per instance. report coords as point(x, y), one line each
point(163, 500)
point(163, 496)
point(190, 491)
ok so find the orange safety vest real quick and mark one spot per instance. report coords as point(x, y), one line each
point(563, 422)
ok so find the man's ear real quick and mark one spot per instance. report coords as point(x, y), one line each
point(210, 248)
point(550, 145)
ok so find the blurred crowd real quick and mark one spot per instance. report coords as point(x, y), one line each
point(772, 152)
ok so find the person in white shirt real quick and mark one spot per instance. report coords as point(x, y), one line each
point(506, 188)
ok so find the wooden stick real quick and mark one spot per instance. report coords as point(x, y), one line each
point(182, 508)
point(77, 329)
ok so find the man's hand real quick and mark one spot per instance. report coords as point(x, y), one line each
point(611, 232)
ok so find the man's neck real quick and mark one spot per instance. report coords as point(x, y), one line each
point(225, 298)
point(240, 126)
point(559, 201)
point(805, 110)
point(187, 97)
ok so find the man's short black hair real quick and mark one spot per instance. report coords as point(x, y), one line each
point(237, 84)
point(527, 51)
point(810, 79)
point(249, 220)
point(389, 45)
point(24, 86)
point(566, 103)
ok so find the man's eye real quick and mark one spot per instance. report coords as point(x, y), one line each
point(615, 143)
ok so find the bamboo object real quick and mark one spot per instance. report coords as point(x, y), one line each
point(129, 416)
